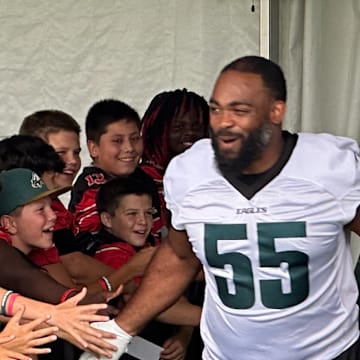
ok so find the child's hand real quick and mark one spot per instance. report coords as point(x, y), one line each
point(25, 338)
point(175, 347)
point(6, 354)
point(74, 320)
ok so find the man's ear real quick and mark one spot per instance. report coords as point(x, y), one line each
point(277, 112)
point(93, 148)
point(105, 219)
point(8, 223)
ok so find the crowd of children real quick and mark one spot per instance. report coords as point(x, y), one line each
point(116, 218)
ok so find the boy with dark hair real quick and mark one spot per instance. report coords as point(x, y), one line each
point(126, 214)
point(115, 146)
point(61, 131)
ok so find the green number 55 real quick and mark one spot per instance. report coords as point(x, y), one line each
point(272, 296)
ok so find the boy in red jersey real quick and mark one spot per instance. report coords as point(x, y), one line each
point(126, 214)
point(115, 146)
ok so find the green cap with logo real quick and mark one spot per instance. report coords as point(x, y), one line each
point(19, 187)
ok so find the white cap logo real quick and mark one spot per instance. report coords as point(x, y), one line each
point(36, 182)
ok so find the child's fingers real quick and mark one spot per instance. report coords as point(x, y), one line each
point(33, 344)
point(6, 339)
point(113, 294)
point(15, 319)
point(77, 298)
point(35, 323)
point(48, 331)
point(16, 356)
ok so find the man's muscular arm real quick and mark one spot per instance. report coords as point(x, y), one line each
point(173, 267)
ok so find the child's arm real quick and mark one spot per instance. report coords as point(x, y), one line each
point(135, 267)
point(19, 274)
point(60, 274)
point(72, 319)
point(26, 338)
point(83, 268)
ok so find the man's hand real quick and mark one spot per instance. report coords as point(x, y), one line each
point(121, 341)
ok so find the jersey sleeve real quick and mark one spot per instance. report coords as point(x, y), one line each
point(184, 173)
point(334, 164)
point(350, 200)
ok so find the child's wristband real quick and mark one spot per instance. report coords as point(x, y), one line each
point(66, 294)
point(4, 301)
point(10, 303)
point(105, 283)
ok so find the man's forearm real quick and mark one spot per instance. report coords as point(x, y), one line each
point(181, 313)
point(163, 284)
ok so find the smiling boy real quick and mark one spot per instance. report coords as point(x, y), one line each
point(25, 209)
point(126, 213)
point(62, 132)
point(115, 146)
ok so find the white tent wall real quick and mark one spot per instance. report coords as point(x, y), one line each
point(318, 47)
point(69, 54)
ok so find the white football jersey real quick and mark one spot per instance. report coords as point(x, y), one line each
point(278, 266)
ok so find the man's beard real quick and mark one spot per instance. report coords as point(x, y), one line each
point(251, 148)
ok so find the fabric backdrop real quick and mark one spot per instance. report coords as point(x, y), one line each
point(319, 49)
point(69, 54)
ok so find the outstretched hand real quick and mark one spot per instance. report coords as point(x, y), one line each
point(103, 297)
point(75, 319)
point(6, 354)
point(25, 338)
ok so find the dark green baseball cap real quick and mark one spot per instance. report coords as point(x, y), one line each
point(21, 186)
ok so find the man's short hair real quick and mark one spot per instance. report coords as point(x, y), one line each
point(271, 73)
